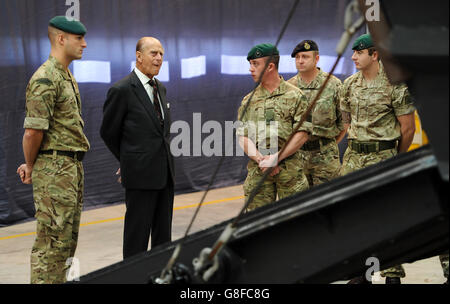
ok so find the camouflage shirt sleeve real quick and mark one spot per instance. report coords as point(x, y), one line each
point(299, 111)
point(41, 94)
point(402, 101)
point(242, 130)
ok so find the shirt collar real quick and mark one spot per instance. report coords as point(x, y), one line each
point(381, 75)
point(380, 78)
point(282, 88)
point(315, 83)
point(142, 77)
point(59, 66)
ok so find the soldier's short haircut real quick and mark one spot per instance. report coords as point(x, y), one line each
point(371, 50)
point(52, 33)
point(275, 59)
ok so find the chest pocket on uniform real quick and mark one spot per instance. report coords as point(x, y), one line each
point(67, 100)
point(358, 104)
point(310, 94)
point(272, 118)
point(269, 115)
point(379, 102)
point(324, 113)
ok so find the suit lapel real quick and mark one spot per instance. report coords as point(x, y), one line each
point(142, 95)
point(162, 98)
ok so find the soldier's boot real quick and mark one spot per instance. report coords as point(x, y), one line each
point(359, 280)
point(393, 280)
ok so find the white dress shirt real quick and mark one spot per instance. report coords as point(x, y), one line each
point(148, 88)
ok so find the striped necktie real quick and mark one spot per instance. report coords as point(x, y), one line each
point(156, 101)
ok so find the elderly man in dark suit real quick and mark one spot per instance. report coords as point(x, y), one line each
point(135, 127)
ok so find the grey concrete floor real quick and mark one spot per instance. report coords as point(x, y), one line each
point(101, 231)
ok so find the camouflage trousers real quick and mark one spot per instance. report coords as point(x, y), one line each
point(393, 272)
point(58, 198)
point(289, 181)
point(322, 165)
point(353, 161)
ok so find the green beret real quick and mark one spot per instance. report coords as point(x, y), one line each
point(305, 46)
point(362, 42)
point(64, 24)
point(262, 50)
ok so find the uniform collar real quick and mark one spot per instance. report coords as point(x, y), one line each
point(263, 92)
point(59, 67)
point(315, 83)
point(381, 76)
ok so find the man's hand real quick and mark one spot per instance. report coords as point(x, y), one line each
point(119, 180)
point(24, 172)
point(259, 158)
point(268, 162)
point(275, 171)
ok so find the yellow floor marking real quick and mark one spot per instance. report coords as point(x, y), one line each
point(211, 202)
point(121, 218)
point(17, 235)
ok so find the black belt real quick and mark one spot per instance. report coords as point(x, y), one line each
point(79, 155)
point(374, 146)
point(314, 145)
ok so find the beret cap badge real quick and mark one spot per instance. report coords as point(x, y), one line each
point(363, 42)
point(305, 46)
point(262, 50)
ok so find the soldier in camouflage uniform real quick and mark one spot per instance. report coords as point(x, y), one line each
point(320, 153)
point(54, 145)
point(379, 117)
point(272, 115)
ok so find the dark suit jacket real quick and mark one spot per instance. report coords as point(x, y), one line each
point(131, 130)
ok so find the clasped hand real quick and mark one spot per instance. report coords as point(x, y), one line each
point(24, 172)
point(269, 161)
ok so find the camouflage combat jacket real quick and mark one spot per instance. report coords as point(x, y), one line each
point(374, 107)
point(53, 104)
point(326, 116)
point(274, 115)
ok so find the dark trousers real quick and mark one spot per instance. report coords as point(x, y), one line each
point(147, 211)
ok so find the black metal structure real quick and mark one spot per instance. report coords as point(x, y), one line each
point(323, 235)
point(396, 211)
